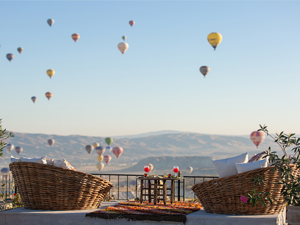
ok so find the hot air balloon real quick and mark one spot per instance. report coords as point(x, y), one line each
point(123, 46)
point(33, 98)
point(150, 166)
point(107, 158)
point(189, 169)
point(100, 166)
point(108, 140)
point(131, 22)
point(99, 158)
point(100, 150)
point(50, 72)
point(10, 56)
point(204, 70)
point(48, 95)
point(117, 151)
point(108, 149)
point(10, 147)
point(5, 170)
point(95, 145)
point(51, 142)
point(20, 50)
point(18, 150)
point(124, 38)
point(50, 22)
point(75, 37)
point(89, 148)
point(257, 137)
point(214, 39)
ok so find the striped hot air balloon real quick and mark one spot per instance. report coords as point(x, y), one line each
point(204, 70)
point(257, 137)
point(48, 95)
point(100, 150)
point(117, 151)
point(75, 37)
point(107, 158)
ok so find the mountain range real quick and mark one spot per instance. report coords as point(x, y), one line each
point(136, 147)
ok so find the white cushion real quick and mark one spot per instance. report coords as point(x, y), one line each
point(244, 167)
point(41, 160)
point(63, 164)
point(13, 159)
point(227, 167)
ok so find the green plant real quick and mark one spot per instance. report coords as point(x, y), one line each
point(16, 201)
point(257, 197)
point(4, 135)
point(290, 182)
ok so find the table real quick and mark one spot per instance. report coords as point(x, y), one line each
point(157, 188)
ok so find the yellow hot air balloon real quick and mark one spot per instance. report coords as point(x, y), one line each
point(214, 39)
point(95, 145)
point(100, 158)
point(50, 72)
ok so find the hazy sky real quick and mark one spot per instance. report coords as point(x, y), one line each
point(156, 85)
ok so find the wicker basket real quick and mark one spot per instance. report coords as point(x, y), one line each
point(53, 188)
point(222, 196)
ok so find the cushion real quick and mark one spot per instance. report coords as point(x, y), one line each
point(257, 157)
point(63, 164)
point(244, 167)
point(50, 162)
point(227, 167)
point(41, 160)
point(13, 159)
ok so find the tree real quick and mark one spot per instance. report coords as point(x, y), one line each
point(4, 135)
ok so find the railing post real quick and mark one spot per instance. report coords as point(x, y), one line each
point(118, 186)
point(127, 187)
point(178, 190)
point(183, 183)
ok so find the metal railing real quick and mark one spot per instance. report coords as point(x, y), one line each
point(130, 181)
point(126, 186)
point(7, 187)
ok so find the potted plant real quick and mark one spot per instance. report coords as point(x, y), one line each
point(288, 167)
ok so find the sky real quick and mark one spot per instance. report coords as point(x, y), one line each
point(156, 85)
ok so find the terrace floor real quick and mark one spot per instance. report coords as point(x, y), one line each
point(21, 216)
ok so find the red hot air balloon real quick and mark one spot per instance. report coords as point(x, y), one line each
point(131, 22)
point(49, 95)
point(107, 158)
point(257, 137)
point(117, 151)
point(75, 37)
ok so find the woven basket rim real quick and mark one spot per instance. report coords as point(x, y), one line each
point(55, 168)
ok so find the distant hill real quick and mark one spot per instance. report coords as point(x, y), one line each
point(202, 165)
point(149, 134)
point(72, 147)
